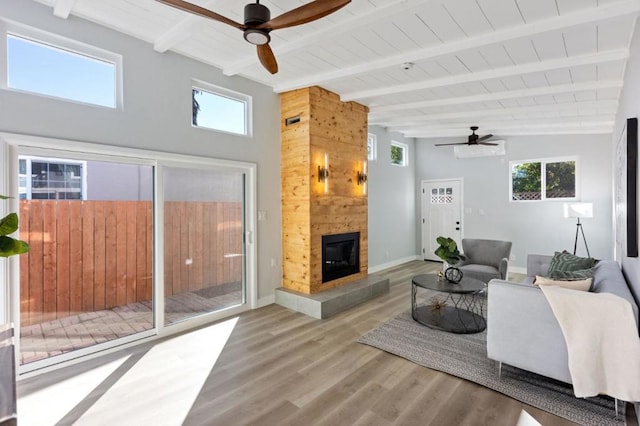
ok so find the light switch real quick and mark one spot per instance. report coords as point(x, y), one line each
point(262, 215)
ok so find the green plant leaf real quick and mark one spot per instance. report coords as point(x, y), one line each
point(4, 197)
point(10, 246)
point(9, 224)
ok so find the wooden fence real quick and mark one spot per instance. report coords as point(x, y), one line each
point(91, 255)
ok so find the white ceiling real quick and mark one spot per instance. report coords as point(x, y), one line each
point(511, 67)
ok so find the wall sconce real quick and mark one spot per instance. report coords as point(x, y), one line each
point(361, 177)
point(323, 173)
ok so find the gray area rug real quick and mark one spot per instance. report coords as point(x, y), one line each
point(465, 356)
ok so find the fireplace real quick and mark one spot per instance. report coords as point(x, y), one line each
point(340, 255)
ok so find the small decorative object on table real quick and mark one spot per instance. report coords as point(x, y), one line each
point(448, 252)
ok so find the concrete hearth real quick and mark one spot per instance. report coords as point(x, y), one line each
point(328, 303)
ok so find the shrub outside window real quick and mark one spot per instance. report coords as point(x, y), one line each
point(399, 154)
point(220, 109)
point(543, 180)
point(62, 69)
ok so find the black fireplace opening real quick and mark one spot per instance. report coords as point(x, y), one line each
point(340, 255)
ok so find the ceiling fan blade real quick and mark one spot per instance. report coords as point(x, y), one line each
point(485, 137)
point(446, 144)
point(487, 143)
point(303, 14)
point(267, 58)
point(201, 11)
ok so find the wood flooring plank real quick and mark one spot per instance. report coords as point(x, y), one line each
point(280, 367)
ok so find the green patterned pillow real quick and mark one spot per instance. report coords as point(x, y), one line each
point(580, 274)
point(568, 262)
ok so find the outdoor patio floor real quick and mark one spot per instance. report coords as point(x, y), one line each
point(40, 341)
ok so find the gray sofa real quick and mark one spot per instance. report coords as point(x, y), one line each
point(522, 330)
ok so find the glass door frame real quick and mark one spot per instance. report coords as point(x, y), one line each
point(13, 144)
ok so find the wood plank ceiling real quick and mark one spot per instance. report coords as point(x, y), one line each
point(511, 67)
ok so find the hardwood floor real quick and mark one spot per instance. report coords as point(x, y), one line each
point(280, 367)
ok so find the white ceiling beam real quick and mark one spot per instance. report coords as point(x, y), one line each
point(498, 96)
point(600, 106)
point(533, 67)
point(62, 8)
point(394, 7)
point(537, 132)
point(181, 31)
point(607, 11)
point(502, 125)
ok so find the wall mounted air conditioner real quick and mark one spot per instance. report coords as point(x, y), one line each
point(475, 151)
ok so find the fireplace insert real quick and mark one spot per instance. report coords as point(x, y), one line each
point(340, 255)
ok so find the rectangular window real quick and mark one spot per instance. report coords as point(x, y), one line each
point(372, 147)
point(220, 109)
point(543, 180)
point(399, 154)
point(51, 179)
point(61, 72)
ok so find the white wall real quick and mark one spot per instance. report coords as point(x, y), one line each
point(629, 108)
point(156, 116)
point(391, 190)
point(534, 227)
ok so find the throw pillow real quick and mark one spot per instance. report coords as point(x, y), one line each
point(582, 285)
point(566, 261)
point(572, 275)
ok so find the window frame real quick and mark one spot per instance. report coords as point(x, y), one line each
point(61, 43)
point(405, 152)
point(225, 93)
point(543, 178)
point(372, 147)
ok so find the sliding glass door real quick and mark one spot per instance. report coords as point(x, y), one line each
point(122, 247)
point(88, 277)
point(204, 250)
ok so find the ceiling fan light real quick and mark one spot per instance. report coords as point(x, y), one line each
point(257, 37)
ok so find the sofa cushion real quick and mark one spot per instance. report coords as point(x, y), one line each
point(608, 278)
point(565, 261)
point(581, 285)
point(484, 273)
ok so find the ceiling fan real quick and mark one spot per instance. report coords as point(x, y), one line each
point(473, 139)
point(258, 23)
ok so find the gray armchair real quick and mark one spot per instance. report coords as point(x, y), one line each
point(485, 260)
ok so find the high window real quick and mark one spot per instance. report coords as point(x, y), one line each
point(62, 69)
point(372, 147)
point(549, 179)
point(399, 154)
point(220, 109)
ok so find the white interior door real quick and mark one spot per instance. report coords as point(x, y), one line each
point(441, 213)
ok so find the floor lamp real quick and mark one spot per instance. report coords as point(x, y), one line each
point(578, 211)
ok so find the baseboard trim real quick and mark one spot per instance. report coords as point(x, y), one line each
point(517, 269)
point(267, 300)
point(378, 268)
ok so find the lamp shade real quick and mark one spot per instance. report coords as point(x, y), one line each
point(578, 210)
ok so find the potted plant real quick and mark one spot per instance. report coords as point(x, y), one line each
point(8, 225)
point(450, 255)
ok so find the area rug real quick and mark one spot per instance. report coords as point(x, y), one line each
point(465, 356)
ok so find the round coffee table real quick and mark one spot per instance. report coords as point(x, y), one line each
point(461, 311)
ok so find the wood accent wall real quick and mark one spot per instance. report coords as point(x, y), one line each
point(338, 129)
